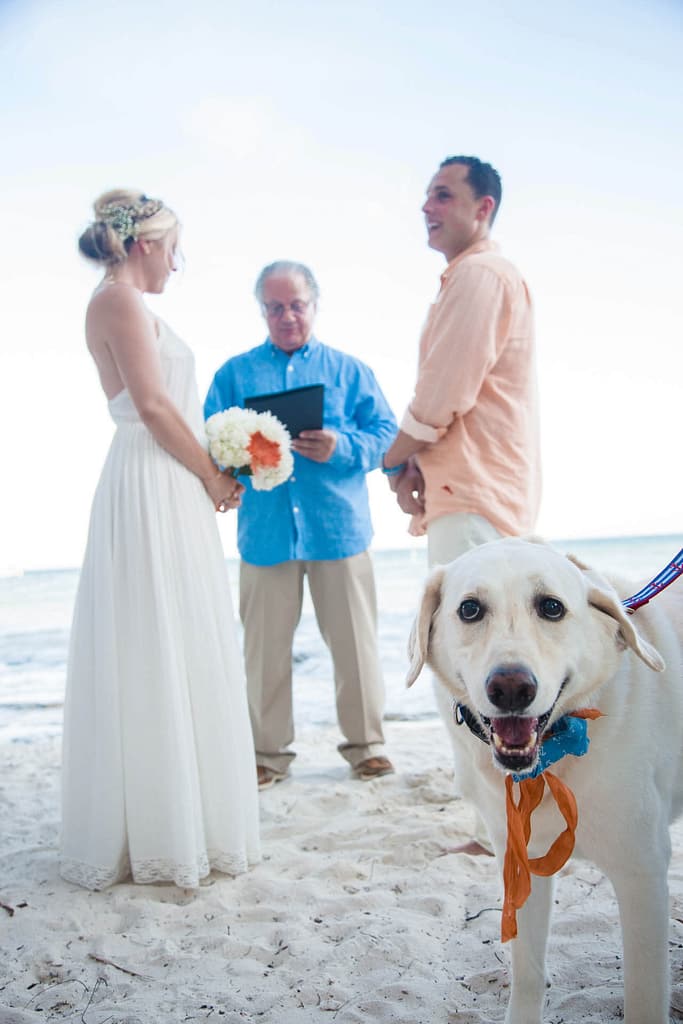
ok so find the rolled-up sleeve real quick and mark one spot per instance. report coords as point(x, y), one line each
point(420, 431)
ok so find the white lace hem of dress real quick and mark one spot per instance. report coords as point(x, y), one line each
point(185, 876)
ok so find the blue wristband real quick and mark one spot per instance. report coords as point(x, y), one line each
point(394, 470)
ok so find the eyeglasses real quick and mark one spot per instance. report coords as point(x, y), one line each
point(276, 310)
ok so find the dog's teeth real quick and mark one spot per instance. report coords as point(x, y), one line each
point(518, 751)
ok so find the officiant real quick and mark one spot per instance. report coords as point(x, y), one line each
point(317, 525)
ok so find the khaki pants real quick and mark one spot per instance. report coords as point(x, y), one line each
point(345, 603)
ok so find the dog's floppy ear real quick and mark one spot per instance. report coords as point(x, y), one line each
point(418, 643)
point(575, 560)
point(607, 601)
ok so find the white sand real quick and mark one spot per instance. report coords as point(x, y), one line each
point(354, 915)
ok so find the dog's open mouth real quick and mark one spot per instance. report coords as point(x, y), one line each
point(516, 740)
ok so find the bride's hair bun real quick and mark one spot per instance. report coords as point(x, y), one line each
point(122, 216)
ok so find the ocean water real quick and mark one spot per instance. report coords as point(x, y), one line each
point(36, 609)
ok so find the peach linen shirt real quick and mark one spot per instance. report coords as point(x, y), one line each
point(475, 398)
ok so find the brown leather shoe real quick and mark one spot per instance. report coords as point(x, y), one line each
point(267, 777)
point(373, 768)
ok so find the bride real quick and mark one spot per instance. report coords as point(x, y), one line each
point(159, 777)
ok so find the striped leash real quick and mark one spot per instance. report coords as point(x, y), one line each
point(670, 573)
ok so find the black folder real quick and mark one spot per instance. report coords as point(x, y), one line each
point(299, 409)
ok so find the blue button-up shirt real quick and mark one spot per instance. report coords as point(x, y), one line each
point(322, 511)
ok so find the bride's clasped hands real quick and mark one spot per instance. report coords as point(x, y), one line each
point(224, 490)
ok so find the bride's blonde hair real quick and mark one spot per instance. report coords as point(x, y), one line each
point(122, 216)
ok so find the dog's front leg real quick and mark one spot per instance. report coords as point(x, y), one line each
point(528, 955)
point(644, 912)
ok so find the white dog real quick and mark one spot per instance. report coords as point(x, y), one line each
point(521, 636)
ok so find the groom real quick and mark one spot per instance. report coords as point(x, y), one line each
point(466, 461)
point(317, 525)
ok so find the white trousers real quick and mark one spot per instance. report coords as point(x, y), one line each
point(450, 536)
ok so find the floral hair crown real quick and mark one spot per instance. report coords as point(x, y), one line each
point(125, 219)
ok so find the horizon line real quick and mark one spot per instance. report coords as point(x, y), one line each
point(15, 571)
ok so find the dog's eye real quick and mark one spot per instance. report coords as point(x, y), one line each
point(551, 608)
point(470, 610)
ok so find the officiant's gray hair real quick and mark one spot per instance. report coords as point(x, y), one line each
point(286, 267)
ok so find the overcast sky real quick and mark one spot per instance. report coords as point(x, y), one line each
point(309, 131)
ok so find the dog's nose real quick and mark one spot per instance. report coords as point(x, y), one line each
point(511, 687)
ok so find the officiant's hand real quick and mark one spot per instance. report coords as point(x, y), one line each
point(317, 445)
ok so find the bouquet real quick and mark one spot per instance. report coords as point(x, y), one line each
point(255, 444)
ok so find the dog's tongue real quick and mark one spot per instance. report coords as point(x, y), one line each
point(515, 731)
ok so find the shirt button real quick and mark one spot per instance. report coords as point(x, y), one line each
point(289, 369)
point(292, 479)
point(296, 508)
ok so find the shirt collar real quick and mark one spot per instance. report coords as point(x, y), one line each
point(483, 245)
point(305, 349)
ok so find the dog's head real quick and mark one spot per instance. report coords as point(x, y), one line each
point(521, 635)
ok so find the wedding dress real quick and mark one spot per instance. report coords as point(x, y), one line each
point(159, 777)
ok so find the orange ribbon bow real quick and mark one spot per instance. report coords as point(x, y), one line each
point(517, 867)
